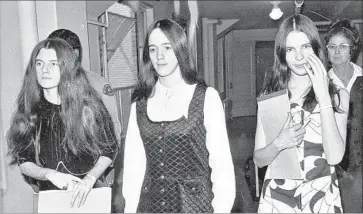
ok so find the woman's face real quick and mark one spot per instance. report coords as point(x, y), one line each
point(340, 49)
point(298, 47)
point(161, 54)
point(47, 68)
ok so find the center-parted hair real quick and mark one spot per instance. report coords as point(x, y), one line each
point(83, 113)
point(179, 43)
point(281, 72)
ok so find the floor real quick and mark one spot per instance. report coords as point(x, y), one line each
point(241, 131)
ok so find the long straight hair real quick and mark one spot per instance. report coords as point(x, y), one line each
point(281, 72)
point(178, 40)
point(82, 111)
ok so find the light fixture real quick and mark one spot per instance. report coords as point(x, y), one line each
point(298, 5)
point(276, 12)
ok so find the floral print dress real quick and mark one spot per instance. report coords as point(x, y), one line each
point(318, 191)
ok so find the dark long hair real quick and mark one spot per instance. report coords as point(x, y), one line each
point(83, 113)
point(281, 72)
point(148, 76)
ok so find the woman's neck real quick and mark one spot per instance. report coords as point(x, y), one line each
point(343, 71)
point(299, 87)
point(52, 96)
point(172, 80)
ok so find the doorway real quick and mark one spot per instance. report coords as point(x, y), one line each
point(264, 60)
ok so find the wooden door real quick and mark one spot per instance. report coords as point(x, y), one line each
point(242, 80)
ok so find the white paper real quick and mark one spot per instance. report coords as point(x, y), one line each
point(58, 201)
point(272, 110)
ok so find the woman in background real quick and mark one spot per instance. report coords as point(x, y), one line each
point(61, 134)
point(177, 154)
point(343, 46)
point(298, 67)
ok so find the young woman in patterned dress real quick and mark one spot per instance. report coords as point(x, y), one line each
point(298, 67)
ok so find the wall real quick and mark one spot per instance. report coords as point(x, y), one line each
point(163, 10)
point(72, 15)
point(94, 48)
point(18, 195)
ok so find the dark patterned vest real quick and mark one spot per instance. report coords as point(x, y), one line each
point(355, 126)
point(178, 176)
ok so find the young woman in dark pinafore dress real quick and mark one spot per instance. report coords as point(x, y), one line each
point(177, 155)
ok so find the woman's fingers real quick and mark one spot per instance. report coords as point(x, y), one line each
point(80, 194)
point(299, 140)
point(319, 63)
point(85, 196)
point(309, 71)
point(75, 196)
point(314, 62)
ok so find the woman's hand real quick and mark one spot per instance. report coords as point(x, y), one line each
point(319, 79)
point(289, 136)
point(62, 180)
point(81, 190)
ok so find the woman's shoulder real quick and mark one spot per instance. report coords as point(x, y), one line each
point(357, 69)
point(212, 96)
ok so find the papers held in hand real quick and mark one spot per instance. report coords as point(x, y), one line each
point(59, 201)
point(272, 110)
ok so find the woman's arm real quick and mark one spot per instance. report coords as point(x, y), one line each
point(220, 158)
point(264, 153)
point(134, 164)
point(334, 129)
point(60, 180)
point(333, 125)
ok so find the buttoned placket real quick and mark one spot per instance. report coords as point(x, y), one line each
point(161, 137)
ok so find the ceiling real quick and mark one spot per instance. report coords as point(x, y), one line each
point(254, 14)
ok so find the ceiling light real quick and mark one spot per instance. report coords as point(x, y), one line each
point(276, 12)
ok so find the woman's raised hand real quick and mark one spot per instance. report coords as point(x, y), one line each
point(319, 79)
point(290, 135)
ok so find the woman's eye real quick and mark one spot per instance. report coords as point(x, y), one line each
point(168, 48)
point(54, 64)
point(38, 63)
point(288, 49)
point(151, 50)
point(306, 46)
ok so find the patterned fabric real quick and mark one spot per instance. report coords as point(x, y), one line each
point(351, 181)
point(178, 176)
point(355, 125)
point(318, 191)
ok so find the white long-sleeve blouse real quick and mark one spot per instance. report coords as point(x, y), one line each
point(169, 104)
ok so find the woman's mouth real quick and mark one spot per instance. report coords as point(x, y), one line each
point(302, 65)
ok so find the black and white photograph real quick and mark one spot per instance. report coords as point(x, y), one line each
point(181, 106)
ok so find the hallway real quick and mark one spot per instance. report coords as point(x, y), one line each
point(241, 132)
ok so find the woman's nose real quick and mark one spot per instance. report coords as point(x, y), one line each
point(337, 50)
point(45, 68)
point(299, 56)
point(160, 54)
